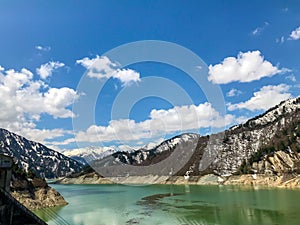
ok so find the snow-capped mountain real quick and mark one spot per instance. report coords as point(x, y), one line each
point(89, 154)
point(34, 156)
point(162, 159)
point(144, 155)
point(223, 153)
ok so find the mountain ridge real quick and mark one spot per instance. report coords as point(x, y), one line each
point(34, 156)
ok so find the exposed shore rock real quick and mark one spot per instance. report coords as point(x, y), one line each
point(35, 193)
point(283, 181)
point(90, 178)
point(41, 198)
point(278, 163)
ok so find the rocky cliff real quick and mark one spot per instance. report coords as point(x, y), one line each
point(33, 192)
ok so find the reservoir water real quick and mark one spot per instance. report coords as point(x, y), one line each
point(174, 204)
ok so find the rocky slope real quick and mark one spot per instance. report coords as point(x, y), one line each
point(33, 192)
point(277, 163)
point(34, 156)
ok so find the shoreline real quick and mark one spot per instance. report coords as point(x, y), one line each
point(285, 181)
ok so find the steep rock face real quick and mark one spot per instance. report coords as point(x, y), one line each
point(34, 156)
point(35, 197)
point(34, 192)
point(278, 163)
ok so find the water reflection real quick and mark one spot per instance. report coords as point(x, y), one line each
point(176, 204)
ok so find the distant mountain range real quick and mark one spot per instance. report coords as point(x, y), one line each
point(36, 157)
point(89, 154)
point(237, 150)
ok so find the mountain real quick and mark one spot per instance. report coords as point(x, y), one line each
point(35, 157)
point(163, 159)
point(89, 154)
point(146, 156)
point(241, 149)
point(278, 129)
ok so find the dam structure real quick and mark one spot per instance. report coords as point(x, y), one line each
point(12, 212)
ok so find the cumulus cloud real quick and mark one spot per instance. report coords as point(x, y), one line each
point(176, 119)
point(126, 76)
point(247, 67)
point(46, 69)
point(102, 67)
point(44, 136)
point(43, 48)
point(265, 98)
point(295, 35)
point(233, 92)
point(24, 100)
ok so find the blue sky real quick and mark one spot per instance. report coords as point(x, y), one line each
point(250, 49)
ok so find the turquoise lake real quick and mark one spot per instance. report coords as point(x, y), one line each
point(173, 204)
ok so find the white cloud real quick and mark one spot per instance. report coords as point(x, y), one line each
point(56, 100)
point(257, 31)
point(233, 92)
point(44, 136)
point(43, 48)
point(46, 69)
point(265, 98)
point(99, 67)
point(247, 67)
point(280, 40)
point(176, 119)
point(102, 67)
point(127, 76)
point(291, 78)
point(295, 35)
point(24, 100)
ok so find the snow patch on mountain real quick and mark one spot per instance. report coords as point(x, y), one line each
point(34, 156)
point(89, 154)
